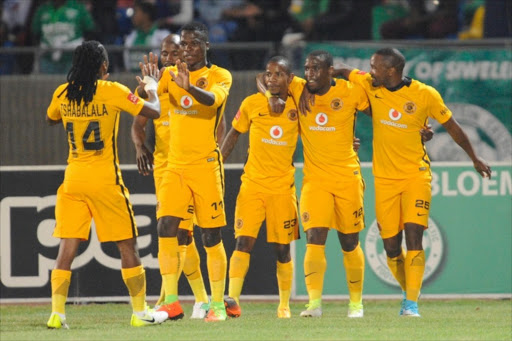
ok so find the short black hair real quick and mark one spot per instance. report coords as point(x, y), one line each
point(282, 61)
point(196, 26)
point(147, 7)
point(323, 55)
point(395, 58)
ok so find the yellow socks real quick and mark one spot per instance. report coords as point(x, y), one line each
point(135, 280)
point(60, 280)
point(315, 265)
point(396, 266)
point(169, 260)
point(414, 269)
point(354, 268)
point(192, 269)
point(217, 265)
point(284, 282)
point(238, 266)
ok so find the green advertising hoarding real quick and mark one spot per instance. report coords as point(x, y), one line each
point(468, 244)
point(475, 83)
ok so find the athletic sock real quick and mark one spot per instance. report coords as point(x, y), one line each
point(396, 266)
point(238, 266)
point(284, 282)
point(135, 280)
point(192, 270)
point(217, 265)
point(169, 260)
point(414, 269)
point(354, 268)
point(315, 265)
point(60, 280)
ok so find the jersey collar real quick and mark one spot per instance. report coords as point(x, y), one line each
point(406, 81)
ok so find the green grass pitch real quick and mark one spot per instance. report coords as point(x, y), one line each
point(441, 320)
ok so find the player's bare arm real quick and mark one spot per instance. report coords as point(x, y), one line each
point(229, 143)
point(426, 133)
point(143, 156)
point(151, 75)
point(221, 131)
point(306, 100)
point(276, 103)
point(182, 79)
point(342, 70)
point(459, 136)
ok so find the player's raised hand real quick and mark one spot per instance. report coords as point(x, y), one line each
point(482, 168)
point(276, 104)
point(182, 79)
point(356, 143)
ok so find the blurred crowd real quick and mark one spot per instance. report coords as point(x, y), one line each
point(142, 24)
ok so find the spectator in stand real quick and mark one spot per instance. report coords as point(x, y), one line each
point(60, 24)
point(425, 20)
point(144, 34)
point(172, 14)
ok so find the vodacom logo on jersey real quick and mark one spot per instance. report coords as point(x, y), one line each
point(186, 102)
point(321, 119)
point(394, 114)
point(276, 132)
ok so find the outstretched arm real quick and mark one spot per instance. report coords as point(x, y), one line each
point(221, 131)
point(143, 155)
point(229, 143)
point(459, 136)
point(342, 70)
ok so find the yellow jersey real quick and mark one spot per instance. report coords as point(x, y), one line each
point(398, 115)
point(272, 142)
point(327, 132)
point(92, 131)
point(193, 126)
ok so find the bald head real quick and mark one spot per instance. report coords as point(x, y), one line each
point(170, 51)
point(172, 39)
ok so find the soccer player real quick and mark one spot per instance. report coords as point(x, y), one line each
point(89, 108)
point(401, 106)
point(157, 161)
point(268, 190)
point(197, 96)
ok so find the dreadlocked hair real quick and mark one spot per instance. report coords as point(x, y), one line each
point(83, 76)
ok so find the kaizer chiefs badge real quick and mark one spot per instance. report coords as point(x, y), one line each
point(410, 107)
point(305, 217)
point(292, 115)
point(336, 104)
point(239, 223)
point(202, 83)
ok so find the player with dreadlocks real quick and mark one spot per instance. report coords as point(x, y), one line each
point(89, 107)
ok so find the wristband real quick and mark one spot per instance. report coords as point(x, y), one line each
point(151, 84)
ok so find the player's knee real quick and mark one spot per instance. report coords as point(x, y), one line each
point(348, 241)
point(168, 226)
point(211, 237)
point(283, 253)
point(245, 244)
point(183, 237)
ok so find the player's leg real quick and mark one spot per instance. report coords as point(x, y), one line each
point(73, 221)
point(415, 207)
point(115, 222)
point(349, 221)
point(134, 277)
point(387, 207)
point(174, 199)
point(238, 267)
point(158, 178)
point(317, 207)
point(282, 229)
point(208, 193)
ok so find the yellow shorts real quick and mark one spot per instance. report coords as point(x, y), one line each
point(202, 185)
point(402, 201)
point(279, 211)
point(188, 222)
point(338, 205)
point(79, 202)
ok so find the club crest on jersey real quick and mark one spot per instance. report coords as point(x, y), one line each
point(186, 102)
point(292, 115)
point(239, 223)
point(305, 217)
point(410, 107)
point(321, 119)
point(395, 115)
point(336, 104)
point(276, 132)
point(202, 83)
